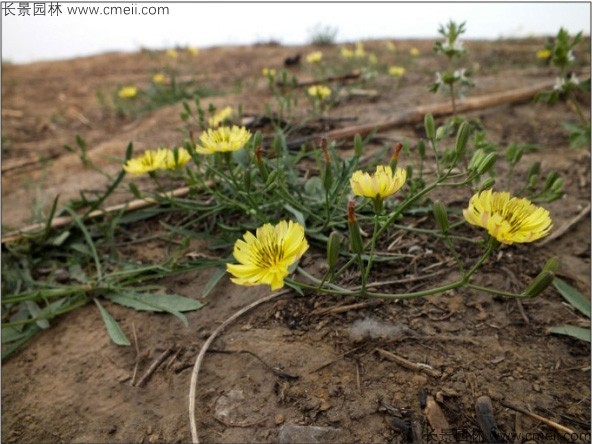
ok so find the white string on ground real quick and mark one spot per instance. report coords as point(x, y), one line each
point(204, 349)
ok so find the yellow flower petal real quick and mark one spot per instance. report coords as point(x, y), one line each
point(223, 139)
point(508, 219)
point(264, 259)
point(381, 184)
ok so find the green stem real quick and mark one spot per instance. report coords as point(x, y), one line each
point(573, 100)
point(496, 292)
point(372, 248)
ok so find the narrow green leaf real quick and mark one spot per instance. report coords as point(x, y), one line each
point(113, 328)
point(36, 312)
point(297, 214)
point(88, 239)
point(218, 274)
point(155, 301)
point(580, 333)
point(573, 296)
point(172, 304)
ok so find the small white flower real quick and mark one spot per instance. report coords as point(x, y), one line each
point(570, 56)
point(559, 84)
point(573, 79)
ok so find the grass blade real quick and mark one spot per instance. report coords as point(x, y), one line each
point(115, 332)
point(218, 274)
point(573, 296)
point(89, 241)
point(583, 334)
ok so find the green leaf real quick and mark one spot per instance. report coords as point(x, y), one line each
point(36, 312)
point(156, 301)
point(573, 296)
point(580, 333)
point(113, 328)
point(218, 274)
point(170, 303)
point(297, 214)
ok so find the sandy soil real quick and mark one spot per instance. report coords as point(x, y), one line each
point(71, 384)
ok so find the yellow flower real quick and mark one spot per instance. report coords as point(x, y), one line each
point(220, 117)
point(128, 92)
point(396, 71)
point(268, 72)
point(319, 91)
point(543, 54)
point(172, 163)
point(381, 184)
point(314, 57)
point(264, 259)
point(172, 54)
point(414, 52)
point(373, 59)
point(193, 51)
point(359, 52)
point(158, 78)
point(223, 139)
point(149, 161)
point(508, 219)
point(347, 53)
point(391, 46)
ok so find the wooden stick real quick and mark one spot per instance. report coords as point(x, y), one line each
point(350, 76)
point(544, 420)
point(154, 366)
point(408, 364)
point(62, 221)
point(417, 114)
point(565, 228)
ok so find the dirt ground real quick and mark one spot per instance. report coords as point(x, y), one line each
point(318, 365)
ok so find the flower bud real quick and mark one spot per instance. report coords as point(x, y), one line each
point(421, 149)
point(261, 163)
point(539, 284)
point(552, 264)
point(551, 177)
point(358, 146)
point(487, 184)
point(395, 156)
point(430, 126)
point(273, 176)
point(476, 160)
point(462, 137)
point(557, 185)
point(355, 237)
point(333, 246)
point(487, 163)
point(441, 216)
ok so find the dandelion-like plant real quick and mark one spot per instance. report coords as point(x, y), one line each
point(265, 258)
point(320, 92)
point(543, 54)
point(127, 92)
point(171, 53)
point(150, 161)
point(508, 219)
point(220, 117)
point(396, 71)
point(314, 57)
point(177, 158)
point(158, 78)
point(383, 183)
point(223, 139)
point(193, 51)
